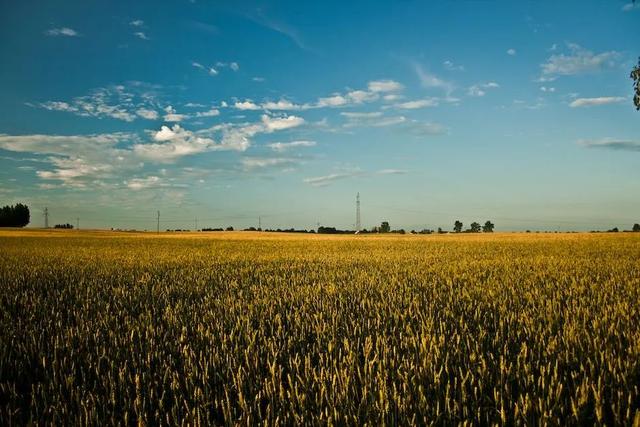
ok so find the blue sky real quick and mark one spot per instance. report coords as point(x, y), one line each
point(518, 112)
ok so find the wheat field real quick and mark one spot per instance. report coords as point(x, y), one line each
point(101, 328)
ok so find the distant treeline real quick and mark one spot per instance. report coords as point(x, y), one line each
point(66, 226)
point(14, 216)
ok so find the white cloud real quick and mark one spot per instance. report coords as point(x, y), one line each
point(578, 61)
point(234, 66)
point(372, 120)
point(76, 159)
point(198, 65)
point(117, 102)
point(358, 115)
point(321, 181)
point(420, 103)
point(141, 35)
point(286, 146)
point(210, 113)
point(603, 100)
point(172, 116)
point(391, 172)
point(630, 6)
point(137, 23)
point(511, 52)
point(144, 183)
point(64, 31)
point(547, 89)
point(431, 81)
point(212, 71)
point(282, 104)
point(60, 144)
point(449, 65)
point(246, 105)
point(264, 162)
point(272, 124)
point(480, 89)
point(611, 143)
point(384, 86)
point(360, 96)
point(147, 114)
point(332, 101)
point(392, 97)
point(258, 79)
point(173, 143)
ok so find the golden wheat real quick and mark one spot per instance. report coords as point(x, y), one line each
point(246, 329)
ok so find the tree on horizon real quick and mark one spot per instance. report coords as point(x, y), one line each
point(14, 216)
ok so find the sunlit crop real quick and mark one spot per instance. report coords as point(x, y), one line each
point(243, 328)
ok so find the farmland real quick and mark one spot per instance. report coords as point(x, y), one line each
point(243, 328)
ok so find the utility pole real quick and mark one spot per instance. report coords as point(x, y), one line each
point(358, 225)
point(196, 224)
point(259, 223)
point(158, 224)
point(46, 217)
point(78, 223)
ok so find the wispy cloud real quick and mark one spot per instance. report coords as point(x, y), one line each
point(631, 6)
point(265, 162)
point(325, 180)
point(611, 143)
point(151, 181)
point(590, 102)
point(391, 172)
point(137, 23)
point(63, 31)
point(147, 114)
point(286, 146)
point(172, 116)
point(384, 86)
point(260, 17)
point(121, 102)
point(372, 119)
point(322, 181)
point(213, 112)
point(416, 104)
point(578, 61)
point(511, 52)
point(272, 124)
point(376, 90)
point(449, 65)
point(481, 88)
point(141, 35)
point(431, 81)
point(246, 105)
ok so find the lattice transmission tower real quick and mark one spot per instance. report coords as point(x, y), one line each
point(358, 224)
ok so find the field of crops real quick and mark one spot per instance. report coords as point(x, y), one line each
point(242, 328)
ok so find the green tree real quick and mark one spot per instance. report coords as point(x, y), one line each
point(475, 227)
point(635, 76)
point(636, 228)
point(14, 216)
point(488, 227)
point(385, 227)
point(457, 226)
